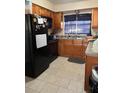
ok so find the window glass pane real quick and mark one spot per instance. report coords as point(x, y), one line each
point(70, 27)
point(80, 26)
point(83, 27)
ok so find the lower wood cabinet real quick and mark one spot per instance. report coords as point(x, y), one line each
point(77, 51)
point(90, 62)
point(70, 48)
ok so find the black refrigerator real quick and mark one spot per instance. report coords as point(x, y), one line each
point(36, 48)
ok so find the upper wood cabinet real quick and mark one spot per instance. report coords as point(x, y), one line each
point(40, 10)
point(58, 18)
point(95, 18)
point(36, 9)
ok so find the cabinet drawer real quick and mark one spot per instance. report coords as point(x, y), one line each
point(68, 42)
point(78, 42)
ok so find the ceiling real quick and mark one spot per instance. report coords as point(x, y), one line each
point(63, 1)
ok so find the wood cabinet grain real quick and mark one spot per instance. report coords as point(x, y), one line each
point(90, 62)
point(95, 18)
point(52, 16)
point(60, 47)
point(58, 18)
point(68, 50)
point(33, 9)
point(77, 51)
point(71, 48)
point(36, 9)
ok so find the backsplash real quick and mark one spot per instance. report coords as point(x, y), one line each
point(94, 32)
point(60, 33)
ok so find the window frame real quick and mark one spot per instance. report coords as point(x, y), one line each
point(83, 33)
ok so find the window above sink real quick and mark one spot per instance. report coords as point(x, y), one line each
point(77, 24)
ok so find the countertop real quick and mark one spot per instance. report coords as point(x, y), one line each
point(71, 37)
point(92, 49)
point(51, 41)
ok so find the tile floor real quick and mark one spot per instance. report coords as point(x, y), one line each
point(61, 77)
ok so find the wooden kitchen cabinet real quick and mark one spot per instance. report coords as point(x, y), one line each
point(52, 16)
point(68, 42)
point(36, 9)
point(60, 47)
point(33, 9)
point(90, 62)
point(85, 44)
point(95, 18)
point(70, 48)
point(58, 18)
point(65, 47)
point(42, 11)
point(46, 12)
point(77, 48)
point(77, 51)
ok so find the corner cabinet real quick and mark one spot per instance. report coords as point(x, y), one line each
point(95, 18)
point(58, 18)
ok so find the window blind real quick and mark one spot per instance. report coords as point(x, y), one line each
point(77, 24)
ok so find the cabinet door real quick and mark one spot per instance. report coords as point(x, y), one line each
point(95, 18)
point(47, 13)
point(90, 62)
point(77, 48)
point(77, 51)
point(52, 16)
point(42, 11)
point(33, 9)
point(57, 20)
point(38, 10)
point(77, 42)
point(60, 48)
point(68, 50)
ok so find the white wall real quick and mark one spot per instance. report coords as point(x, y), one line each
point(67, 6)
point(44, 3)
point(76, 5)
